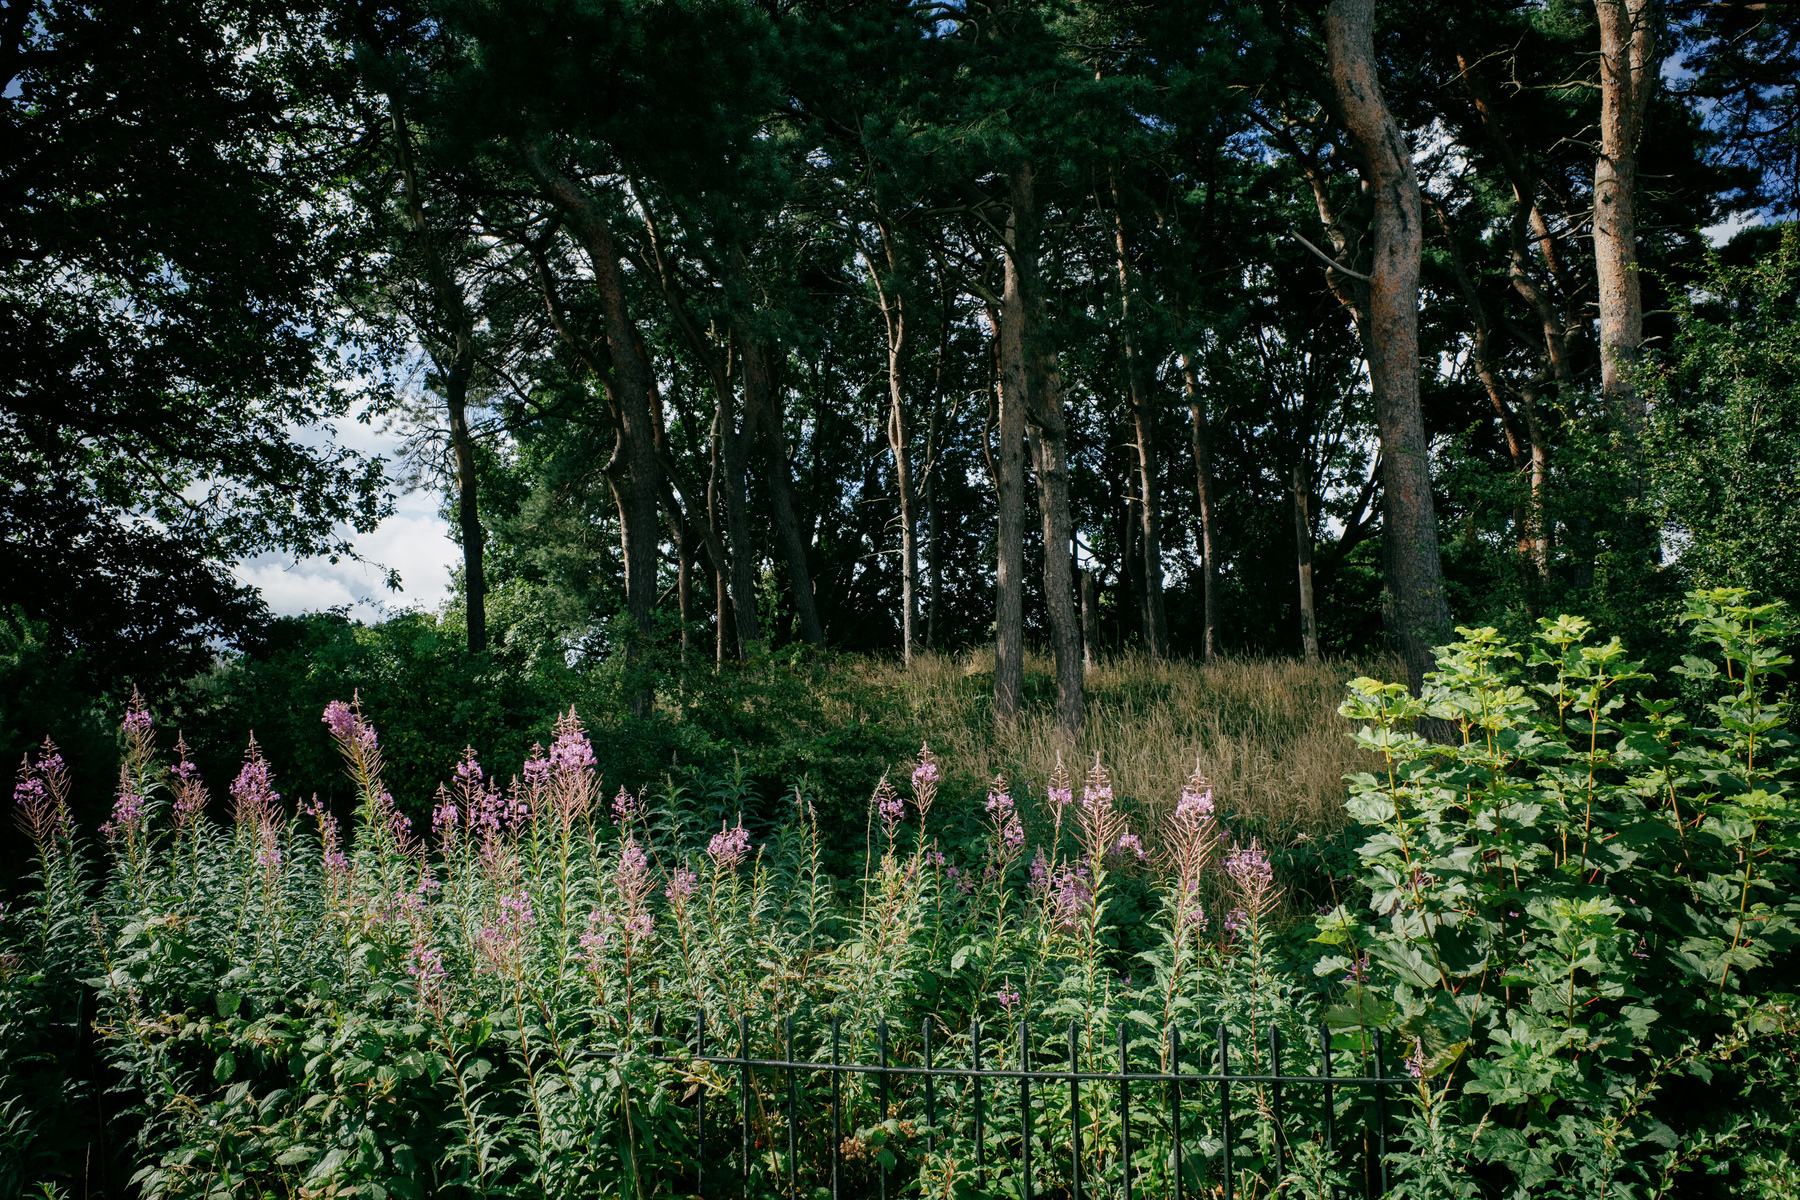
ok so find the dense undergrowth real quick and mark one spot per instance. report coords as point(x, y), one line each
point(1576, 927)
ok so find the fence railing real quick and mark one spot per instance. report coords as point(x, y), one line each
point(1190, 1127)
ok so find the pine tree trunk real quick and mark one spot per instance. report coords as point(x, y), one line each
point(1201, 437)
point(1014, 332)
point(457, 371)
point(630, 385)
point(1303, 547)
point(893, 313)
point(765, 417)
point(1628, 76)
point(1143, 418)
point(1414, 609)
point(931, 540)
point(1050, 456)
point(1090, 622)
point(732, 441)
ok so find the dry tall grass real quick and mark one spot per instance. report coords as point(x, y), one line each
point(1265, 732)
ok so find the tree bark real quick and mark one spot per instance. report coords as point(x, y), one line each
point(1414, 609)
point(1209, 563)
point(1303, 553)
point(1009, 574)
point(1629, 65)
point(456, 373)
point(630, 381)
point(765, 418)
point(1143, 419)
point(893, 315)
point(737, 521)
point(1050, 455)
point(1090, 622)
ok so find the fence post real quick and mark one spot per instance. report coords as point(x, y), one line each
point(930, 1093)
point(1225, 1105)
point(837, 1126)
point(700, 1108)
point(1275, 1102)
point(1025, 1107)
point(1330, 1102)
point(881, 1093)
point(1380, 1120)
point(1124, 1112)
point(793, 1115)
point(1074, 1110)
point(1175, 1102)
point(980, 1137)
point(744, 1077)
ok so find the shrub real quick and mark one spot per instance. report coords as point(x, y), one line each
point(1581, 919)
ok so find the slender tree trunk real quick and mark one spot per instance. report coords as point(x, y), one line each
point(1129, 587)
point(1143, 419)
point(630, 382)
point(1051, 460)
point(1090, 622)
point(457, 370)
point(765, 417)
point(732, 441)
point(1629, 65)
point(1413, 604)
point(893, 314)
point(1014, 333)
point(1303, 547)
point(684, 598)
point(1201, 438)
point(931, 541)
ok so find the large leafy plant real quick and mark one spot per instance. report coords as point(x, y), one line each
point(1580, 917)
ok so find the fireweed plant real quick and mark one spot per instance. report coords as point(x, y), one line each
point(1554, 922)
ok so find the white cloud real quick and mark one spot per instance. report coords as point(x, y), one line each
point(415, 541)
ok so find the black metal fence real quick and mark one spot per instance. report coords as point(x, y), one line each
point(1190, 1127)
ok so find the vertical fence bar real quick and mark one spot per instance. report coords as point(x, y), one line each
point(1330, 1101)
point(1275, 1103)
point(881, 1094)
point(744, 1075)
point(1124, 1112)
point(1380, 1120)
point(1025, 1108)
point(837, 1111)
point(1175, 1102)
point(1074, 1111)
point(700, 1108)
point(1225, 1106)
point(793, 1115)
point(980, 1138)
point(930, 1093)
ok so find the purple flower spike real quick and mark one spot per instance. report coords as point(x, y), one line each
point(729, 847)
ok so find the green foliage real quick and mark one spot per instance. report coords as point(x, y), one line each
point(1727, 421)
point(1581, 919)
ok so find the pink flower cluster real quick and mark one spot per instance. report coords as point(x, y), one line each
point(729, 847)
point(1003, 820)
point(925, 777)
point(348, 728)
point(190, 793)
point(627, 808)
point(1071, 895)
point(127, 819)
point(682, 886)
point(1101, 824)
point(41, 794)
point(889, 806)
point(501, 942)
